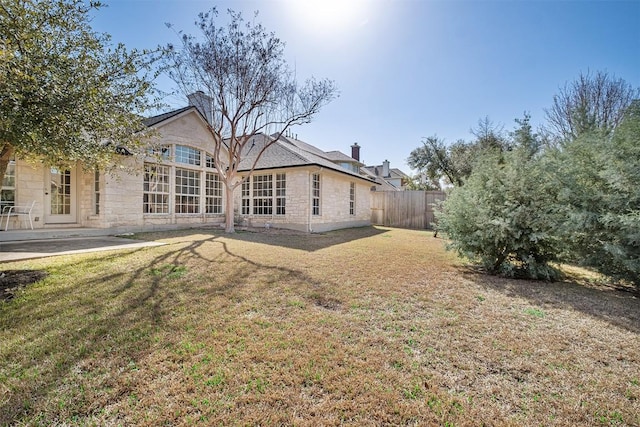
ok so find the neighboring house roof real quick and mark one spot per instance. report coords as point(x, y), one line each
point(385, 181)
point(399, 173)
point(384, 185)
point(393, 172)
point(339, 156)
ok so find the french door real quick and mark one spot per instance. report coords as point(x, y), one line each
point(60, 196)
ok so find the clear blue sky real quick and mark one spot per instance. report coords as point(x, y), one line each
point(408, 69)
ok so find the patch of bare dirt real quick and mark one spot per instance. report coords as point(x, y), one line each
point(12, 281)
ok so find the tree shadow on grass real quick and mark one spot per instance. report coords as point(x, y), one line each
point(616, 306)
point(113, 319)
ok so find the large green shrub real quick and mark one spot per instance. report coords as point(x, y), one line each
point(599, 177)
point(503, 218)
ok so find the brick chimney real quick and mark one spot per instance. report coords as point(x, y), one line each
point(355, 151)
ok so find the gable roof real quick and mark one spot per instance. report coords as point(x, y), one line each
point(164, 116)
point(393, 172)
point(339, 156)
point(285, 152)
point(303, 146)
point(399, 173)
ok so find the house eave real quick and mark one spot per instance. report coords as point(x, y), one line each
point(312, 165)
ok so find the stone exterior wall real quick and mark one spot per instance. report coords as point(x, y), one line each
point(121, 192)
point(334, 202)
point(121, 197)
point(30, 186)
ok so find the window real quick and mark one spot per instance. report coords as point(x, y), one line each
point(162, 152)
point(352, 198)
point(213, 194)
point(353, 167)
point(281, 193)
point(259, 197)
point(263, 194)
point(246, 196)
point(208, 161)
point(60, 191)
point(8, 190)
point(187, 155)
point(187, 191)
point(184, 184)
point(156, 189)
point(315, 194)
point(96, 192)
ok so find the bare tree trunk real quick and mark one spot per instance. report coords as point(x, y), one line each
point(228, 210)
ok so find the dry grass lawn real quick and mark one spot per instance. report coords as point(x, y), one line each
point(368, 326)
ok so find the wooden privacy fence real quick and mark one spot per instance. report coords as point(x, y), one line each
point(404, 209)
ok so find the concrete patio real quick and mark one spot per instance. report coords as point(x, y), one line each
point(29, 249)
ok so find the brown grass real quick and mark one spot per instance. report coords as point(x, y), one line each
point(368, 326)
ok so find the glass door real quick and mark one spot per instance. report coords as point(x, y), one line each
point(60, 197)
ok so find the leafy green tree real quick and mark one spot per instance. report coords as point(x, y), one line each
point(246, 88)
point(599, 177)
point(503, 218)
point(454, 163)
point(67, 94)
point(419, 183)
point(436, 160)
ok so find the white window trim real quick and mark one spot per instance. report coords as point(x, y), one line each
point(248, 196)
point(352, 198)
point(313, 195)
point(10, 188)
point(168, 158)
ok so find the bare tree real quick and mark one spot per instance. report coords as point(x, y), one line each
point(592, 102)
point(489, 134)
point(240, 69)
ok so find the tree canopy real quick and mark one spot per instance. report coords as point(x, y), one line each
point(599, 178)
point(245, 88)
point(503, 217)
point(526, 204)
point(589, 103)
point(453, 163)
point(67, 94)
point(437, 161)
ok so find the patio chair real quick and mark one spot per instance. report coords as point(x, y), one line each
point(18, 211)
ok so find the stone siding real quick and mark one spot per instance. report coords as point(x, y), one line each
point(30, 186)
point(334, 202)
point(121, 191)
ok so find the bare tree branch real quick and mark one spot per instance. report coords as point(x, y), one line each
point(590, 103)
point(240, 69)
